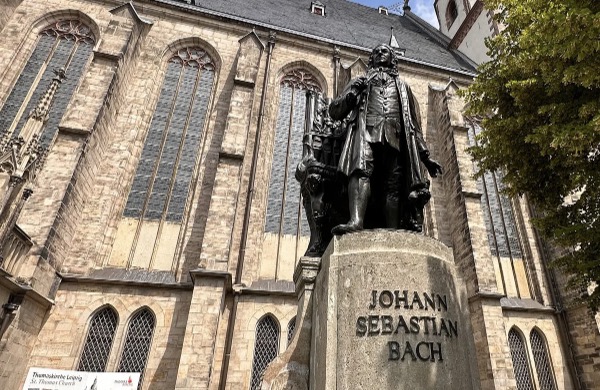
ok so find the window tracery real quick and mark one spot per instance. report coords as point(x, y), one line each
point(73, 30)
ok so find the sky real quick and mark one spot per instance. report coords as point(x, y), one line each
point(423, 8)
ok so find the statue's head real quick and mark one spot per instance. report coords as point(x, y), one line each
point(383, 56)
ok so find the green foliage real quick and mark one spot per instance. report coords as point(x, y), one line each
point(540, 97)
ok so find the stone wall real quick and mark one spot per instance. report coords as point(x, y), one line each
point(60, 342)
point(18, 341)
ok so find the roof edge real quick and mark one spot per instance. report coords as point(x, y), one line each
point(201, 10)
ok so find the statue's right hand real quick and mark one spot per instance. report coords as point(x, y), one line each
point(359, 85)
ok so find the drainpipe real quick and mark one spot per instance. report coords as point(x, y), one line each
point(561, 315)
point(9, 312)
point(249, 195)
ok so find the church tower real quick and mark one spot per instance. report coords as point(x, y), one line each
point(467, 23)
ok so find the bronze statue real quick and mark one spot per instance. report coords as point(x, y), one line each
point(360, 165)
point(383, 149)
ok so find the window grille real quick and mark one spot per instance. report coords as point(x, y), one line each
point(137, 343)
point(541, 359)
point(284, 211)
point(520, 361)
point(162, 181)
point(99, 341)
point(266, 349)
point(290, 330)
point(66, 44)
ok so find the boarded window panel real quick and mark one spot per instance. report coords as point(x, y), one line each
point(58, 60)
point(520, 361)
point(166, 166)
point(137, 344)
point(98, 342)
point(498, 213)
point(66, 90)
point(542, 361)
point(275, 197)
point(266, 349)
point(25, 81)
point(153, 143)
point(190, 150)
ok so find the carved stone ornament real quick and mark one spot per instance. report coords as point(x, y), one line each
point(195, 57)
point(323, 189)
point(71, 30)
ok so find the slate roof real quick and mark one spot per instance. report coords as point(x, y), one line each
point(346, 23)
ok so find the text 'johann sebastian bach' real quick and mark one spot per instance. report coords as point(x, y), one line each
point(432, 324)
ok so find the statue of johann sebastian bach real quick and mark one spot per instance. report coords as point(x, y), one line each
point(383, 147)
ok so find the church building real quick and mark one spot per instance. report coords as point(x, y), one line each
point(151, 221)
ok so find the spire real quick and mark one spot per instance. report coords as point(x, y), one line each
point(40, 112)
point(39, 115)
point(406, 7)
point(393, 41)
point(21, 156)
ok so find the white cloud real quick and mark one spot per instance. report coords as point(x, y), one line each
point(424, 8)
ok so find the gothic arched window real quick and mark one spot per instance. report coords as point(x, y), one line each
point(290, 330)
point(99, 340)
point(518, 352)
point(541, 359)
point(66, 44)
point(137, 343)
point(159, 194)
point(502, 230)
point(266, 348)
point(285, 216)
point(451, 13)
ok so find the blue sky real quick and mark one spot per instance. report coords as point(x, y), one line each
point(423, 8)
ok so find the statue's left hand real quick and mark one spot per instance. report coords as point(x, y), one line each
point(433, 167)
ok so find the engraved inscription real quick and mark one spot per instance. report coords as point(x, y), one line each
point(433, 325)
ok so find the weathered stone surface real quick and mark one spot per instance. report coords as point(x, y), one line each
point(392, 341)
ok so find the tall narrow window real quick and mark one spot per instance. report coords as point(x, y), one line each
point(501, 225)
point(520, 361)
point(163, 183)
point(66, 44)
point(137, 343)
point(99, 341)
point(451, 13)
point(290, 330)
point(542, 361)
point(285, 216)
point(266, 348)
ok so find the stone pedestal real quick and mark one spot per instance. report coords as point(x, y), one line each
point(390, 313)
point(381, 310)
